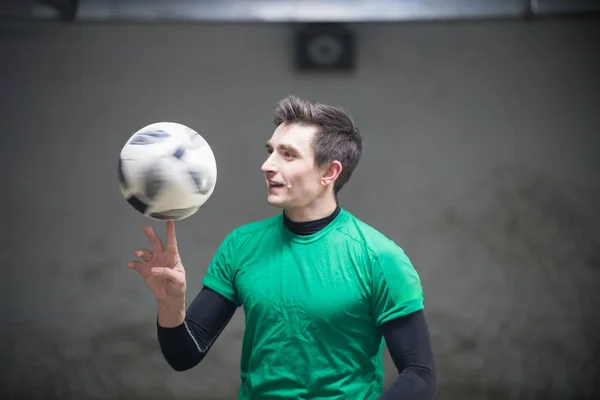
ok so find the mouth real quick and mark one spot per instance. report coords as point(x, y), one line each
point(275, 185)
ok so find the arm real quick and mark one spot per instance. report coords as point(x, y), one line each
point(397, 305)
point(185, 345)
point(186, 341)
point(407, 339)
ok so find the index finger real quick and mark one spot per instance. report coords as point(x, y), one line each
point(171, 238)
point(157, 246)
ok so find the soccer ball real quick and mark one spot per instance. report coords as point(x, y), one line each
point(167, 171)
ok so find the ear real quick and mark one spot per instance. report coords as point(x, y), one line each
point(331, 173)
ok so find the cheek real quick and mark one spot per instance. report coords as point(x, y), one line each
point(302, 178)
point(305, 181)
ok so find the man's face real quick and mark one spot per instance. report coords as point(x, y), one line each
point(293, 180)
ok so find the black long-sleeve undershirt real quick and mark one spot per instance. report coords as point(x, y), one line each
point(408, 342)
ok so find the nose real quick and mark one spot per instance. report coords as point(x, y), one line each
point(268, 167)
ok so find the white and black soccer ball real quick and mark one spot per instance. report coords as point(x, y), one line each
point(167, 171)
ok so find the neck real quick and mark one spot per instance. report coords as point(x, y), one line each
point(309, 227)
point(312, 212)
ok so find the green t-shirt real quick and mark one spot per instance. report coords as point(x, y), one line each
point(313, 306)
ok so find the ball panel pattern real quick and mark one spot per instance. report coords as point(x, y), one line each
point(155, 178)
point(179, 152)
point(122, 180)
point(149, 137)
point(137, 204)
point(201, 181)
point(173, 214)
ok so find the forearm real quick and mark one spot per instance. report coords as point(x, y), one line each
point(413, 383)
point(179, 346)
point(409, 345)
point(185, 345)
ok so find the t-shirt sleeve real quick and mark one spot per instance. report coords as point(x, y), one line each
point(396, 288)
point(220, 276)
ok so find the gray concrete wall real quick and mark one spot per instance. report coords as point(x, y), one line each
point(481, 160)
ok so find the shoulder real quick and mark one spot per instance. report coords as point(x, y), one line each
point(387, 265)
point(392, 273)
point(256, 226)
point(243, 240)
point(376, 243)
point(253, 231)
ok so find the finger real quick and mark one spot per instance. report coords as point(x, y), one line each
point(157, 246)
point(171, 238)
point(136, 265)
point(168, 274)
point(144, 254)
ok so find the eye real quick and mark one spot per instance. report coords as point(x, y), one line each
point(287, 154)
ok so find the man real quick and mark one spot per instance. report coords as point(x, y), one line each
point(322, 292)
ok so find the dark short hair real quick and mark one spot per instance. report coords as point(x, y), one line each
point(336, 138)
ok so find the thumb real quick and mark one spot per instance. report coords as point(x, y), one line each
point(168, 274)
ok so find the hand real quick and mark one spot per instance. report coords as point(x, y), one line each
point(162, 270)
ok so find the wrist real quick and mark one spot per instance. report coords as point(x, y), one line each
point(171, 314)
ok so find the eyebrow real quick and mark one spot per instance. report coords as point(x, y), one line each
point(284, 147)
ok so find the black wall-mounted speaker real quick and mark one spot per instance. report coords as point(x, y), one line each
point(324, 47)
